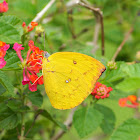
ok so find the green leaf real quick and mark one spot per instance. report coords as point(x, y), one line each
point(36, 98)
point(108, 122)
point(132, 70)
point(86, 120)
point(14, 21)
point(8, 118)
point(12, 61)
point(116, 74)
point(47, 115)
point(129, 130)
point(2, 89)
point(2, 99)
point(129, 84)
point(11, 19)
point(14, 104)
point(4, 80)
point(9, 33)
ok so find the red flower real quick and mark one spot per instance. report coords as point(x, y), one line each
point(125, 102)
point(23, 24)
point(3, 7)
point(30, 27)
point(101, 91)
point(33, 23)
point(31, 66)
point(3, 48)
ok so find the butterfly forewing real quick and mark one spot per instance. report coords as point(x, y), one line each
point(69, 78)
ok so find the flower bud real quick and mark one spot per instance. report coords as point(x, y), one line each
point(39, 30)
point(112, 65)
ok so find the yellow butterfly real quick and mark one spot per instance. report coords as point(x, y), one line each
point(69, 77)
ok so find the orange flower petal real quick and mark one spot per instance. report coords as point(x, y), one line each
point(132, 98)
point(34, 23)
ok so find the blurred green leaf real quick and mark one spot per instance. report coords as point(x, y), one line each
point(129, 130)
point(13, 20)
point(109, 120)
point(47, 115)
point(14, 104)
point(3, 98)
point(132, 70)
point(86, 120)
point(2, 89)
point(117, 94)
point(8, 118)
point(9, 33)
point(115, 75)
point(25, 9)
point(129, 84)
point(4, 80)
point(35, 97)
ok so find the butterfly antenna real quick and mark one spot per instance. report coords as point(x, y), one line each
point(44, 40)
point(46, 54)
point(37, 79)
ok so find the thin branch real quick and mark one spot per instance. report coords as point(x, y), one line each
point(43, 11)
point(122, 44)
point(95, 39)
point(98, 12)
point(70, 23)
point(68, 124)
point(36, 116)
point(81, 32)
point(72, 3)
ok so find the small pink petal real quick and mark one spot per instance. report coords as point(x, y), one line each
point(32, 87)
point(5, 3)
point(25, 78)
point(132, 106)
point(18, 47)
point(2, 63)
point(6, 47)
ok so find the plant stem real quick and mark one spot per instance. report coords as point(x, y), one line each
point(22, 128)
point(22, 115)
point(22, 122)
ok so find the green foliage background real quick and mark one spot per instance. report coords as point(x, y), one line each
point(119, 17)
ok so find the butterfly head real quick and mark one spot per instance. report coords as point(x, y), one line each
point(46, 54)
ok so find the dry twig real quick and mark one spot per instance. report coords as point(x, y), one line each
point(99, 14)
point(36, 116)
point(122, 44)
point(43, 11)
point(68, 124)
point(96, 35)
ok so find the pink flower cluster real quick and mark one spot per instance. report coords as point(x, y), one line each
point(101, 91)
point(3, 48)
point(3, 7)
point(31, 66)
